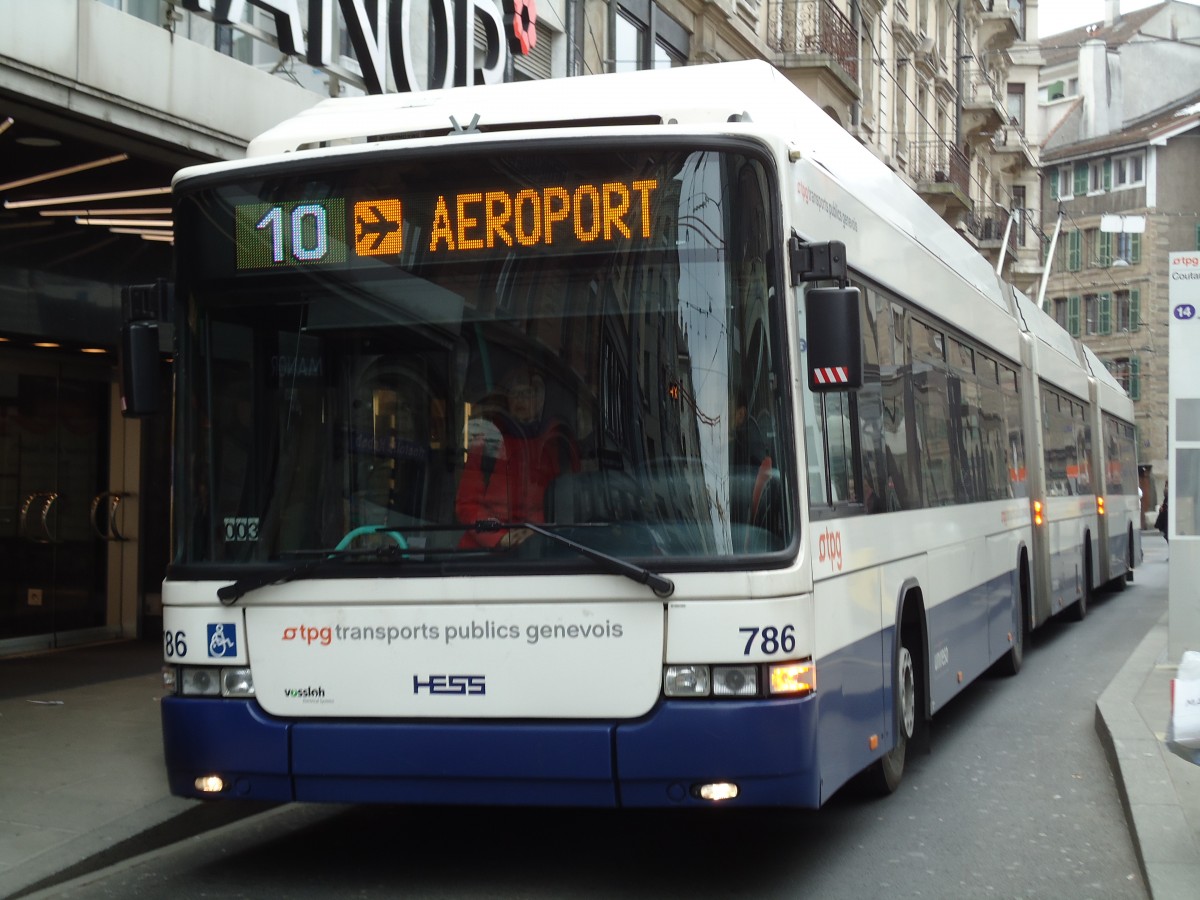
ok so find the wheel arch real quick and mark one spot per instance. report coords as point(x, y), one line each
point(911, 621)
point(1025, 585)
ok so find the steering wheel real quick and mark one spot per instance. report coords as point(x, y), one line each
point(371, 529)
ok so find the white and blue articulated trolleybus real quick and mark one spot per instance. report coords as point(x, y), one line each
point(671, 456)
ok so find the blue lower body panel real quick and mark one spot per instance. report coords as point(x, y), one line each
point(767, 748)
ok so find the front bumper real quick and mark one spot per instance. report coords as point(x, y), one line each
point(768, 748)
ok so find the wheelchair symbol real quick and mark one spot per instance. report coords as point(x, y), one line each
point(219, 643)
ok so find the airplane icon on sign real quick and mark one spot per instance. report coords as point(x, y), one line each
point(377, 227)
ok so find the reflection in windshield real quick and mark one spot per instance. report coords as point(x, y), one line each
point(628, 395)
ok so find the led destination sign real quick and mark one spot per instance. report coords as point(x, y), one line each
point(285, 234)
point(315, 232)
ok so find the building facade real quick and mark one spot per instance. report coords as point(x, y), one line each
point(935, 88)
point(1119, 166)
point(101, 101)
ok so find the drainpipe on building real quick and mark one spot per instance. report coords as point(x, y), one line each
point(856, 106)
point(958, 75)
point(569, 27)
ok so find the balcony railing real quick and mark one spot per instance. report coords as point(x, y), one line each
point(987, 224)
point(812, 26)
point(978, 87)
point(939, 162)
point(1011, 138)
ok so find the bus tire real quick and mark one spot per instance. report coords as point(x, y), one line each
point(1010, 663)
point(1119, 583)
point(888, 771)
point(1078, 610)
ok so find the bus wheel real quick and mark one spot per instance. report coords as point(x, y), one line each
point(1078, 610)
point(889, 769)
point(1119, 583)
point(1010, 662)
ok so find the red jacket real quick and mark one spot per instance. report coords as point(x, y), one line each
point(514, 490)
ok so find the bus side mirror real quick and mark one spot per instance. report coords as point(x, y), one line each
point(139, 368)
point(834, 339)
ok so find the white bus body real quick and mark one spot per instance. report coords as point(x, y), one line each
point(901, 560)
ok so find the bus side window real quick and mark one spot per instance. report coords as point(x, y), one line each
point(876, 344)
point(838, 415)
point(931, 413)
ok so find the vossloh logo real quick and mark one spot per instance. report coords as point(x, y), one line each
point(307, 694)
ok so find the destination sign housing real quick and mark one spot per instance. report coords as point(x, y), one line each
point(314, 231)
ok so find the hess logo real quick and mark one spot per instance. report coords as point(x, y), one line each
point(450, 684)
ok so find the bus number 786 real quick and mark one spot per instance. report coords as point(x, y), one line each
point(771, 640)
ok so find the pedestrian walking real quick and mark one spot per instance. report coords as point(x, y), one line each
point(1161, 522)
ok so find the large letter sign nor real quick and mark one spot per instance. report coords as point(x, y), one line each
point(441, 47)
point(431, 43)
point(495, 47)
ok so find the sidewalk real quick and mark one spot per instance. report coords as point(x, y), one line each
point(82, 784)
point(1159, 791)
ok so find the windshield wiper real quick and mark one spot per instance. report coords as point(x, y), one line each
point(231, 593)
point(662, 586)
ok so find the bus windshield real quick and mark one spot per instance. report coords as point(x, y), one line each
point(424, 352)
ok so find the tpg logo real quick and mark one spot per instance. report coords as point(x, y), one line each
point(451, 684)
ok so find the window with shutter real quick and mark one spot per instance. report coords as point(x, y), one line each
point(1091, 314)
point(1126, 370)
point(1105, 314)
point(1123, 311)
point(1081, 179)
point(1073, 315)
point(1074, 251)
point(1061, 314)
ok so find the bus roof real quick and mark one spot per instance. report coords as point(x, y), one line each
point(713, 94)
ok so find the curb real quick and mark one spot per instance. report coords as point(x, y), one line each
point(1148, 776)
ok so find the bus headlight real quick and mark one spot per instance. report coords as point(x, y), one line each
point(686, 681)
point(237, 682)
point(735, 681)
point(170, 679)
point(796, 678)
point(198, 681)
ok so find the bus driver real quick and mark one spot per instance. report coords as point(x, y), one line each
point(506, 479)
